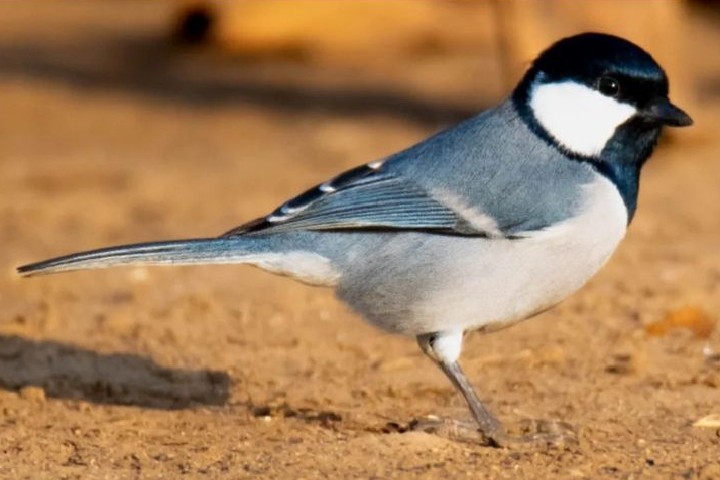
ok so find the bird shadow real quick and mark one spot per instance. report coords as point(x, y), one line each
point(66, 371)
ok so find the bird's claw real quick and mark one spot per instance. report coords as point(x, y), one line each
point(534, 434)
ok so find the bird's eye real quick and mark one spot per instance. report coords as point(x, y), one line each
point(608, 86)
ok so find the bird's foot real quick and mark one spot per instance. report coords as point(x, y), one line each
point(541, 434)
point(533, 434)
point(456, 430)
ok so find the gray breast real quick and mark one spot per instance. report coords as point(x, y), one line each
point(415, 283)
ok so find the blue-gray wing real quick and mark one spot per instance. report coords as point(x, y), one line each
point(366, 197)
point(489, 176)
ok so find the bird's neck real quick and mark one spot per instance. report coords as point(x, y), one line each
point(621, 159)
point(624, 156)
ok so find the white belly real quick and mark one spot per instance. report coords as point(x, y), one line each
point(488, 284)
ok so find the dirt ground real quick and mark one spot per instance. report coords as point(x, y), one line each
point(108, 135)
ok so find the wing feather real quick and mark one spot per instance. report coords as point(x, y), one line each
point(365, 197)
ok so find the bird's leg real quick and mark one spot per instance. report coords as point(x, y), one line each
point(444, 349)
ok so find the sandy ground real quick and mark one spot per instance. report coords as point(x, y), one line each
point(109, 136)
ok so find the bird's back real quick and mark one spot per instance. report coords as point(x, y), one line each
point(478, 165)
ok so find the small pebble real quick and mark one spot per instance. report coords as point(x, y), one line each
point(689, 317)
point(33, 394)
point(710, 421)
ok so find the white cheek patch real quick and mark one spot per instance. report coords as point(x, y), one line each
point(578, 117)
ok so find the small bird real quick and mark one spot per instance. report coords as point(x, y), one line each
point(475, 228)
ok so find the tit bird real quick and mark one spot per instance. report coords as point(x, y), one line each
point(475, 228)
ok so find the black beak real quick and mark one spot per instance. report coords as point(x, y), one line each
point(665, 113)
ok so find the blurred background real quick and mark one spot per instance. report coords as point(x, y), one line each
point(133, 120)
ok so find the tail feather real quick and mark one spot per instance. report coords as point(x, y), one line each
point(179, 252)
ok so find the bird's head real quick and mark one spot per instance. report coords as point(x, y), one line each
point(594, 94)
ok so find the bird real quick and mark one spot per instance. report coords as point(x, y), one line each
point(476, 228)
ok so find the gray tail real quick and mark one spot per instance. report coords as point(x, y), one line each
point(179, 252)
